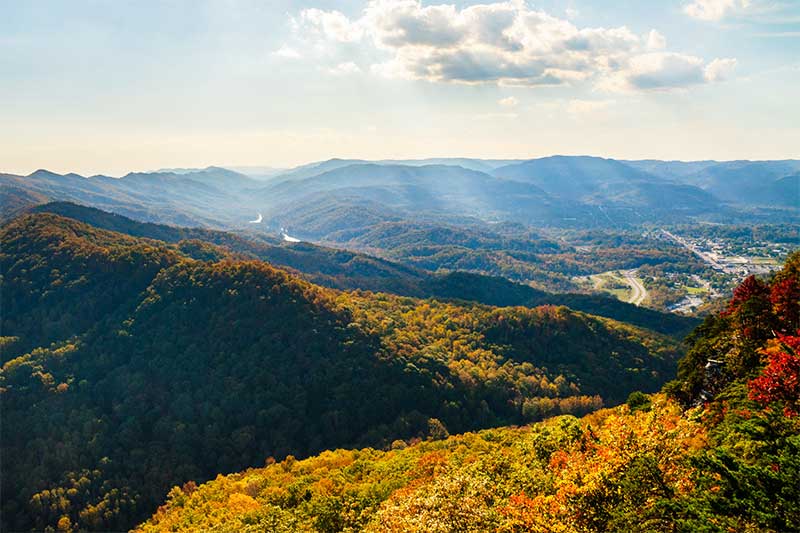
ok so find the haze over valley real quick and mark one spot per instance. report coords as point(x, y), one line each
point(540, 222)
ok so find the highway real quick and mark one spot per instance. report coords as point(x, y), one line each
point(702, 255)
point(638, 292)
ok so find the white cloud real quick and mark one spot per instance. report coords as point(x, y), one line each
point(714, 9)
point(508, 102)
point(330, 24)
point(656, 41)
point(720, 69)
point(660, 71)
point(503, 43)
point(287, 52)
point(343, 69)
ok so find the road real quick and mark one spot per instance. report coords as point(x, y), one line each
point(702, 255)
point(638, 292)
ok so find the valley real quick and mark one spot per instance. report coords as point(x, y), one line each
point(719, 255)
point(399, 266)
point(378, 305)
point(499, 218)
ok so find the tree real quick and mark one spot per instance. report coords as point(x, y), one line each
point(785, 299)
point(779, 383)
point(752, 310)
point(637, 400)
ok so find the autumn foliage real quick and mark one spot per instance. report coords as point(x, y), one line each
point(779, 382)
point(133, 365)
point(730, 463)
point(556, 476)
point(138, 370)
point(784, 296)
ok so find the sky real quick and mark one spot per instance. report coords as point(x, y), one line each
point(114, 86)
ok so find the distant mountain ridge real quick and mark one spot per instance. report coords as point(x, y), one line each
point(330, 197)
point(313, 169)
point(743, 182)
point(200, 198)
point(605, 181)
point(426, 187)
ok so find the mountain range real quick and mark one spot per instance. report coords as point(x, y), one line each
point(494, 217)
point(134, 363)
point(141, 359)
point(155, 335)
point(563, 191)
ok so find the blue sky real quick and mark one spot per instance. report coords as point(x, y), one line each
point(113, 86)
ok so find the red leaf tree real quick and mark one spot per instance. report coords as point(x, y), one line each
point(780, 380)
point(785, 299)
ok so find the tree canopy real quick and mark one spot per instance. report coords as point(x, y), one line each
point(133, 365)
point(728, 459)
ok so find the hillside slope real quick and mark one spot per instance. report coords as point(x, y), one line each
point(199, 367)
point(60, 277)
point(730, 463)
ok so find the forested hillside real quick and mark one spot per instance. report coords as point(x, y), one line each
point(61, 277)
point(399, 266)
point(153, 364)
point(344, 269)
point(719, 452)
